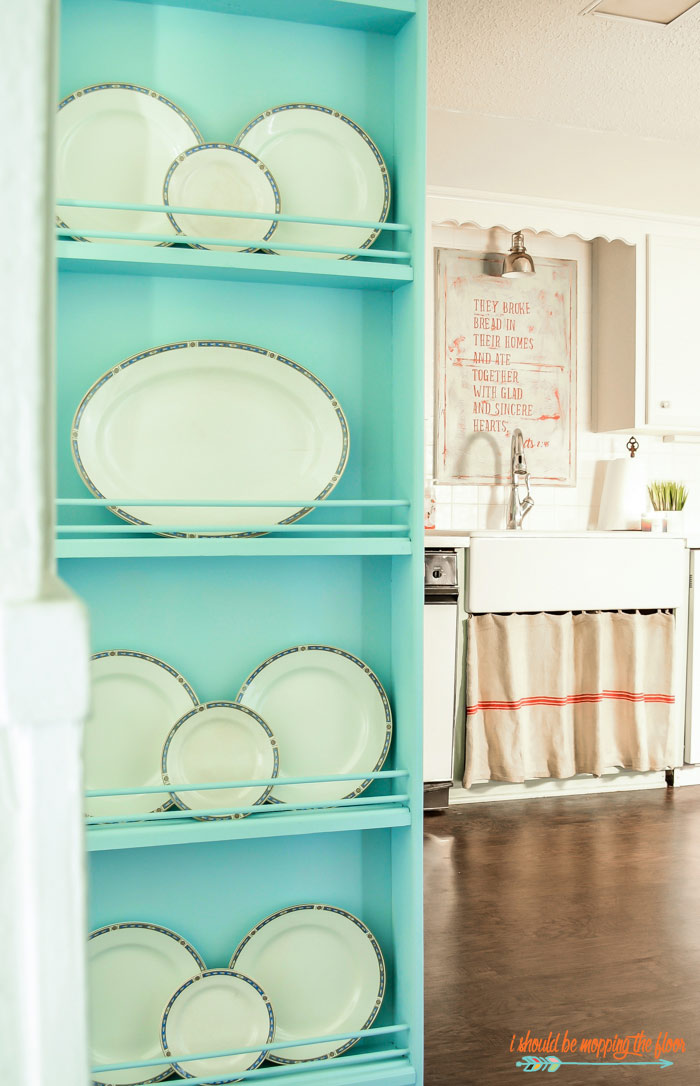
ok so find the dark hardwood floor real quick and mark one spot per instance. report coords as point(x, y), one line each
point(581, 914)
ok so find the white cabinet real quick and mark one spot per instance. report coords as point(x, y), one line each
point(673, 346)
point(646, 299)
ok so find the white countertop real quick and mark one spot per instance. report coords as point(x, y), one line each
point(435, 538)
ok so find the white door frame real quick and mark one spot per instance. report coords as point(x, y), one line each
point(43, 628)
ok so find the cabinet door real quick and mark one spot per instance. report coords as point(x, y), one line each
point(673, 345)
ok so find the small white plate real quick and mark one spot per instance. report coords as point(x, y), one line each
point(326, 166)
point(133, 969)
point(210, 419)
point(219, 741)
point(136, 699)
point(221, 177)
point(323, 971)
point(214, 1012)
point(114, 144)
point(330, 715)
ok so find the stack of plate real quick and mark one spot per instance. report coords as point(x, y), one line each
point(306, 971)
point(308, 711)
point(119, 143)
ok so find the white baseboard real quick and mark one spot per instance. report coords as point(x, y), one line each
point(615, 781)
point(685, 774)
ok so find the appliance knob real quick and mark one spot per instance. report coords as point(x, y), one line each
point(437, 573)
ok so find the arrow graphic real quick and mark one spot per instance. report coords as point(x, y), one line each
point(553, 1063)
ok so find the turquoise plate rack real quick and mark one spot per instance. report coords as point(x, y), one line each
point(348, 574)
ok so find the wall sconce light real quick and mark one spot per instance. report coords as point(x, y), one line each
point(518, 262)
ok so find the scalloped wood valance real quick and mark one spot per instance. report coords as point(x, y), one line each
point(461, 207)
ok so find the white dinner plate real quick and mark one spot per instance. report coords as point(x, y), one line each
point(114, 144)
point(219, 741)
point(330, 715)
point(221, 177)
point(133, 969)
point(215, 1012)
point(326, 166)
point(323, 971)
point(136, 699)
point(210, 419)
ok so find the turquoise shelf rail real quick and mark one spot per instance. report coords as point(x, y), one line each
point(172, 254)
point(272, 216)
point(175, 826)
point(375, 1068)
point(328, 1039)
point(281, 246)
point(117, 539)
point(276, 822)
point(178, 262)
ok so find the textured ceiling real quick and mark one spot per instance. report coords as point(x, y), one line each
point(541, 59)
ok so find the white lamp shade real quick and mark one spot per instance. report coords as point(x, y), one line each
point(624, 495)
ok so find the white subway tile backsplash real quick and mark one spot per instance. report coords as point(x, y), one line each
point(466, 495)
point(465, 517)
point(443, 515)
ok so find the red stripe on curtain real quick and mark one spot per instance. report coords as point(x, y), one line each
point(573, 699)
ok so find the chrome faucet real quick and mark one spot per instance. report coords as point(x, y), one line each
point(519, 475)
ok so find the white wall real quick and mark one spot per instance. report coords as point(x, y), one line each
point(556, 508)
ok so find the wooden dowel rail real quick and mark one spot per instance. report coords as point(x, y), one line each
point(399, 800)
point(339, 1038)
point(282, 1073)
point(242, 243)
point(382, 774)
point(236, 503)
point(231, 529)
point(311, 220)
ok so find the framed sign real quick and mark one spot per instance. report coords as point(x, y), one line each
point(505, 358)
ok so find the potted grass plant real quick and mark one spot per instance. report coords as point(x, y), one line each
point(668, 500)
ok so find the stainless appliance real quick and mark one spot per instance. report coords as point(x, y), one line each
point(439, 669)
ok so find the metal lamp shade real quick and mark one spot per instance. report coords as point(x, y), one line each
point(518, 261)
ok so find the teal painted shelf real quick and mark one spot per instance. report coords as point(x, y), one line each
point(352, 579)
point(213, 548)
point(100, 258)
point(381, 16)
point(273, 824)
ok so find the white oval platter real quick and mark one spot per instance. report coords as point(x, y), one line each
point(136, 699)
point(219, 741)
point(330, 716)
point(114, 144)
point(214, 1012)
point(210, 419)
point(326, 166)
point(323, 971)
point(133, 969)
point(221, 177)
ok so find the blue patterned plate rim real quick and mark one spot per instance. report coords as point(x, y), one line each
point(180, 801)
point(186, 155)
point(386, 183)
point(164, 349)
point(136, 88)
point(106, 929)
point(370, 675)
point(272, 1056)
point(257, 1060)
